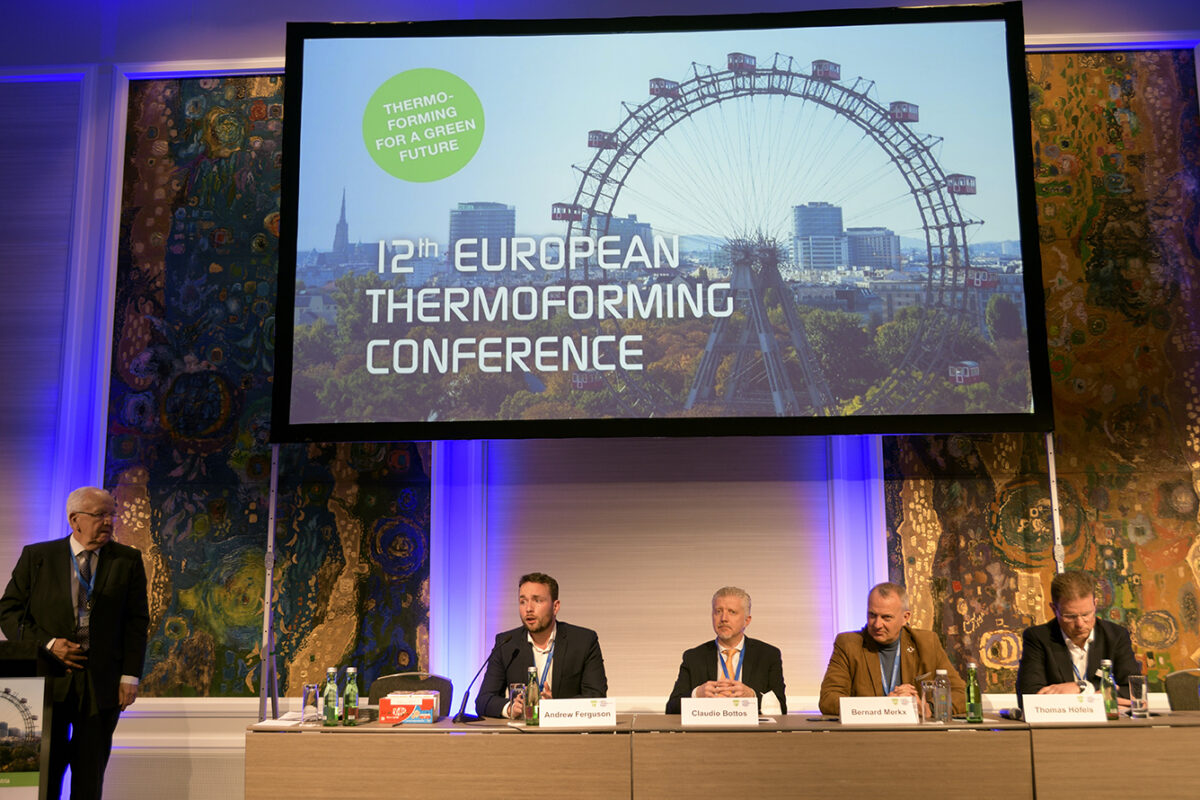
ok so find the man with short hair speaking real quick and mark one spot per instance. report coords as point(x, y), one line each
point(567, 657)
point(886, 658)
point(732, 665)
point(1063, 656)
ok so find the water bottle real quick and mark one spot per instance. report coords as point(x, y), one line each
point(974, 697)
point(1108, 688)
point(532, 696)
point(350, 697)
point(941, 696)
point(329, 698)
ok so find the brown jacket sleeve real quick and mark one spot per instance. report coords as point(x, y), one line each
point(932, 656)
point(838, 681)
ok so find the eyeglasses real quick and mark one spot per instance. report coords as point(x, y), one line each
point(1077, 617)
point(99, 514)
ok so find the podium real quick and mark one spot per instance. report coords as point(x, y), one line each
point(20, 660)
point(23, 670)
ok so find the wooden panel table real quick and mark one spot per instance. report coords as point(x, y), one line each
point(1148, 758)
point(441, 760)
point(797, 756)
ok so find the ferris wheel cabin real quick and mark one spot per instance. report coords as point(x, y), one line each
point(826, 70)
point(964, 373)
point(901, 111)
point(661, 87)
point(742, 63)
point(602, 140)
point(566, 212)
point(980, 278)
point(960, 184)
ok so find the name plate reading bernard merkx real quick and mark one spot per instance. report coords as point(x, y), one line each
point(878, 711)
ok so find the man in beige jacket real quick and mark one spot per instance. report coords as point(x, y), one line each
point(886, 658)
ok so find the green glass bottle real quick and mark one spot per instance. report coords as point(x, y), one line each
point(350, 697)
point(532, 697)
point(1108, 688)
point(329, 698)
point(974, 697)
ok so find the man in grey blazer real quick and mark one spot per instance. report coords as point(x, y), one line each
point(733, 664)
point(82, 600)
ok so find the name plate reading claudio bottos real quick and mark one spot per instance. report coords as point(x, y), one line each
point(1063, 707)
point(719, 710)
point(578, 712)
point(878, 711)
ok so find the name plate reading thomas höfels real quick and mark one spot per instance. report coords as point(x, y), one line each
point(578, 712)
point(719, 710)
point(1063, 708)
point(878, 711)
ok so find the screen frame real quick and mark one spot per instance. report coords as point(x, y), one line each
point(1040, 419)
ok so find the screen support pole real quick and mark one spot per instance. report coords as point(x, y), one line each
point(268, 685)
point(1059, 553)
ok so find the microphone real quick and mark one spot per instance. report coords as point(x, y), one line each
point(462, 715)
point(1015, 714)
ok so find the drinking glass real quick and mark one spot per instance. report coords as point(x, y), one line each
point(516, 690)
point(310, 709)
point(1139, 705)
point(925, 703)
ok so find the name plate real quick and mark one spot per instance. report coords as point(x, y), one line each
point(719, 711)
point(578, 712)
point(878, 711)
point(1063, 708)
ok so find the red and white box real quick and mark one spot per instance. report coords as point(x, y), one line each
point(419, 707)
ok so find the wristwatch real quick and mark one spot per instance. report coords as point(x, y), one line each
point(1083, 686)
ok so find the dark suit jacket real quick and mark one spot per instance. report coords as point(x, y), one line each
point(577, 669)
point(1045, 659)
point(762, 671)
point(854, 668)
point(37, 607)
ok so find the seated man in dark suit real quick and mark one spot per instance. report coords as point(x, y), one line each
point(1063, 655)
point(732, 665)
point(886, 658)
point(567, 657)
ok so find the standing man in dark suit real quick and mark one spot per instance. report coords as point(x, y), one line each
point(82, 599)
point(567, 657)
point(732, 665)
point(1063, 655)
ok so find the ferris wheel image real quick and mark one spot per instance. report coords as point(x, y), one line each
point(726, 154)
point(30, 728)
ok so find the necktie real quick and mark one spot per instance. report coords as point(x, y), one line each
point(729, 654)
point(85, 575)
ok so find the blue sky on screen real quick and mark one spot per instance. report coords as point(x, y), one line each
point(708, 176)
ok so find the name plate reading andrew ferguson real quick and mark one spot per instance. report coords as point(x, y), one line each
point(578, 712)
point(719, 710)
point(878, 711)
point(1063, 707)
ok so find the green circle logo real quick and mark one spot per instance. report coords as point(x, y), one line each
point(423, 125)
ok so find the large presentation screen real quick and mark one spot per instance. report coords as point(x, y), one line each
point(764, 224)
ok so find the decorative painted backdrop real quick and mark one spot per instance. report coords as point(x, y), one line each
point(189, 413)
point(1117, 152)
point(1118, 173)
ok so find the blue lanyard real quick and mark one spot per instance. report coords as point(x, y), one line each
point(737, 673)
point(546, 669)
point(889, 687)
point(87, 585)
